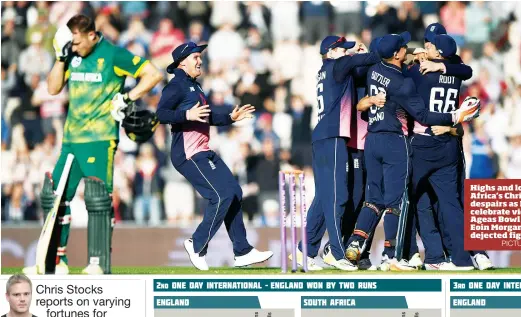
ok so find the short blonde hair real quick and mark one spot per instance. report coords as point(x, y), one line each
point(15, 279)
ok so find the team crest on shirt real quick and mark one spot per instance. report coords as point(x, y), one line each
point(100, 63)
point(76, 61)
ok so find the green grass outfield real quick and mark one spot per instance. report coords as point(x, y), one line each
point(267, 271)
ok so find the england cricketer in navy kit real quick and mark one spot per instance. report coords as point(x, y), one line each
point(387, 153)
point(356, 167)
point(464, 72)
point(183, 105)
point(435, 162)
point(336, 98)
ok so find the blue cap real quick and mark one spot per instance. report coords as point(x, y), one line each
point(331, 42)
point(445, 45)
point(432, 30)
point(183, 51)
point(391, 43)
point(373, 47)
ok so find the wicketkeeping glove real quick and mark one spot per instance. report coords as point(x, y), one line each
point(468, 110)
point(62, 43)
point(119, 103)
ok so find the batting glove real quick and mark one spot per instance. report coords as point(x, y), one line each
point(468, 110)
point(119, 103)
point(62, 43)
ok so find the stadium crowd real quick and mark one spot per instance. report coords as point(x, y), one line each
point(260, 53)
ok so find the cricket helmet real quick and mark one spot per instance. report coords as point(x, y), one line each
point(140, 125)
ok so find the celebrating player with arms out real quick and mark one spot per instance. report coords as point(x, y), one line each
point(95, 72)
point(183, 105)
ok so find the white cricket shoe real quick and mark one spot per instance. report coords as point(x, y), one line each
point(482, 262)
point(327, 256)
point(446, 266)
point(353, 251)
point(92, 269)
point(30, 270)
point(386, 264)
point(345, 265)
point(61, 268)
point(198, 261)
point(253, 257)
point(402, 265)
point(312, 265)
point(416, 261)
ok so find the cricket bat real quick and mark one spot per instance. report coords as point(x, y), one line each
point(48, 226)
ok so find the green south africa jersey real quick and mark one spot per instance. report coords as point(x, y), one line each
point(93, 81)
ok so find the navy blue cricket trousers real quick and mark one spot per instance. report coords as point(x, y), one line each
point(356, 179)
point(437, 164)
point(387, 161)
point(330, 166)
point(215, 182)
point(447, 244)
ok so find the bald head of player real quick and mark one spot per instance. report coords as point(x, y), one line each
point(84, 36)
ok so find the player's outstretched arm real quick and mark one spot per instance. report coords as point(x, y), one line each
point(365, 103)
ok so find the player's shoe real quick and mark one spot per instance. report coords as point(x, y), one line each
point(402, 265)
point(61, 268)
point(342, 264)
point(30, 270)
point(353, 251)
point(446, 266)
point(312, 265)
point(327, 256)
point(198, 261)
point(482, 262)
point(416, 261)
point(366, 265)
point(92, 269)
point(385, 265)
point(345, 265)
point(253, 257)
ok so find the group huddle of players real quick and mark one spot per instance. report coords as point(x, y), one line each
point(389, 142)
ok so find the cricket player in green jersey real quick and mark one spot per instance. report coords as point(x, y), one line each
point(94, 70)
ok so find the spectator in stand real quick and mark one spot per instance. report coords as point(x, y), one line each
point(483, 163)
point(315, 17)
point(148, 187)
point(266, 173)
point(225, 12)
point(11, 43)
point(35, 60)
point(452, 16)
point(285, 20)
point(163, 43)
point(300, 132)
point(45, 28)
point(410, 18)
point(478, 25)
point(225, 55)
point(52, 107)
point(348, 17)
